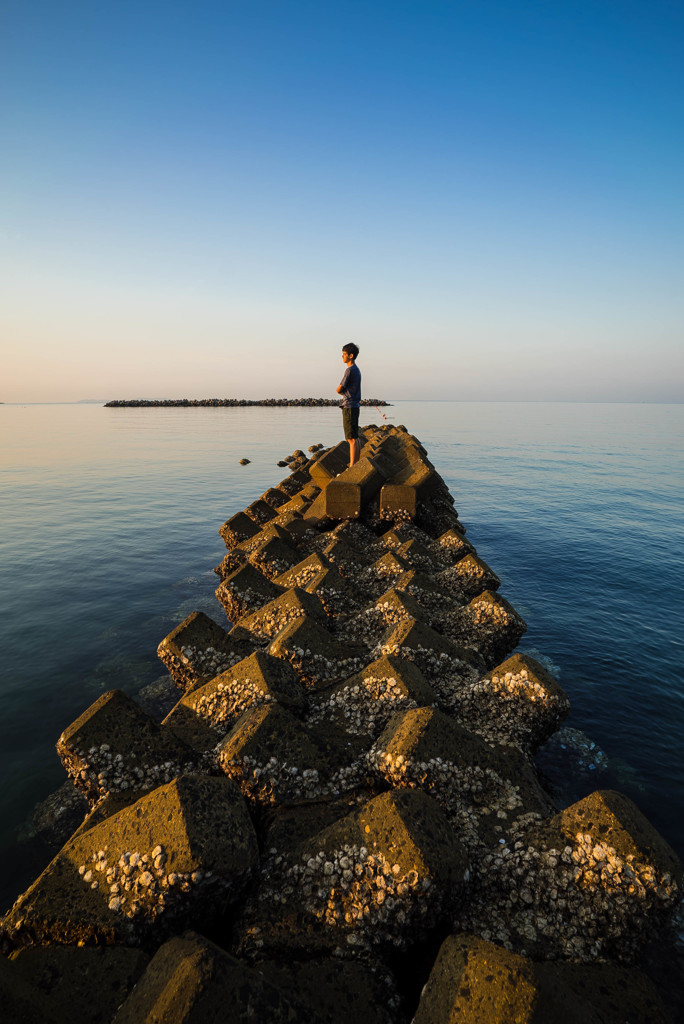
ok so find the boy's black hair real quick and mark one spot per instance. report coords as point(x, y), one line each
point(351, 349)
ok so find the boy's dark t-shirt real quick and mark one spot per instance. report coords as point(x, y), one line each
point(351, 384)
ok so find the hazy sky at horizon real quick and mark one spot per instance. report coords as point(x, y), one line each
point(210, 198)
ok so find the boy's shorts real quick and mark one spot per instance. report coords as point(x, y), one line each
point(350, 422)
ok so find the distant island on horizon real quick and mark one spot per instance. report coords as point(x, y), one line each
point(192, 402)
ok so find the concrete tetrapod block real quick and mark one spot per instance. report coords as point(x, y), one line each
point(271, 531)
point(387, 569)
point(275, 497)
point(421, 553)
point(272, 757)
point(293, 524)
point(482, 983)
point(363, 704)
point(351, 491)
point(89, 983)
point(382, 877)
point(180, 854)
point(398, 501)
point(346, 558)
point(202, 717)
point(292, 484)
point(238, 528)
point(518, 702)
point(273, 555)
point(302, 572)
point(197, 650)
point(489, 624)
point(425, 589)
point(192, 981)
point(260, 512)
point(443, 663)
point(315, 655)
point(293, 604)
point(371, 625)
point(245, 590)
point(483, 790)
point(596, 880)
point(470, 576)
point(23, 1003)
point(115, 746)
point(337, 991)
point(454, 543)
point(334, 461)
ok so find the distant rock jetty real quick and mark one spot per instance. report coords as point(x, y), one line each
point(136, 403)
point(340, 819)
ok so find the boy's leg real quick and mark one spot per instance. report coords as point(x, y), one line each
point(354, 442)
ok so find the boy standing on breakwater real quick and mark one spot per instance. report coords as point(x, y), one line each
point(350, 389)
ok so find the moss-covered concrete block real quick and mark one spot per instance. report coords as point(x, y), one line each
point(275, 497)
point(179, 854)
point(115, 746)
point(351, 490)
point(398, 500)
point(488, 624)
point(206, 714)
point(192, 981)
point(485, 984)
point(198, 649)
point(346, 558)
point(455, 544)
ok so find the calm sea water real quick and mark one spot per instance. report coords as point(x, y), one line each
point(108, 539)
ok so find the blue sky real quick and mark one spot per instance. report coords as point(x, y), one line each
point(210, 198)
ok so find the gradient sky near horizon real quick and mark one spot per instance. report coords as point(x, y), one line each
point(209, 198)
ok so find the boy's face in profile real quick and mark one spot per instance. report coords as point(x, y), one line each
point(347, 358)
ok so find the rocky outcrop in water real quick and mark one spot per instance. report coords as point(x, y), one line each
point(341, 817)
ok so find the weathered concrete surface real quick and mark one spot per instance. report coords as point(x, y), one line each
point(481, 983)
point(192, 981)
point(378, 878)
point(206, 714)
point(198, 649)
point(179, 854)
point(114, 746)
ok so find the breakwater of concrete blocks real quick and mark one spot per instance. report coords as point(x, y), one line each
point(341, 817)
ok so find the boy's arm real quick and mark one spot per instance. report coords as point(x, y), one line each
point(341, 390)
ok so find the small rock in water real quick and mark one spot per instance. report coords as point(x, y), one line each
point(245, 462)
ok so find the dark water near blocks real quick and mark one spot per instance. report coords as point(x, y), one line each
point(108, 538)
